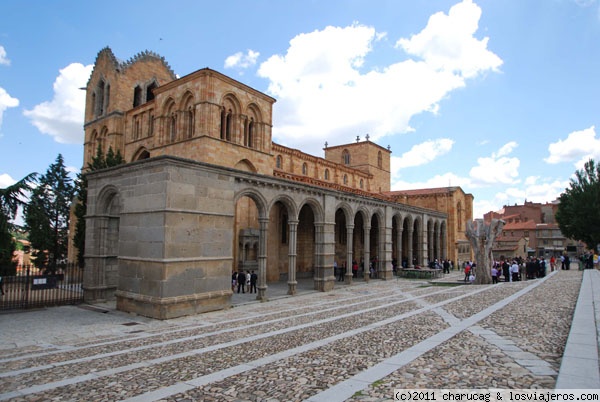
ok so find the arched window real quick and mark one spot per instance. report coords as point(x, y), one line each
point(99, 99)
point(137, 96)
point(379, 160)
point(226, 124)
point(173, 127)
point(459, 215)
point(304, 169)
point(345, 180)
point(136, 127)
point(361, 183)
point(279, 162)
point(346, 157)
point(149, 91)
point(326, 174)
point(250, 134)
point(190, 121)
point(150, 124)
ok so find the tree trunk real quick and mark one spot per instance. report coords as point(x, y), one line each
point(481, 237)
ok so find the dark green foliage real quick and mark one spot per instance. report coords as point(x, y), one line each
point(11, 198)
point(47, 216)
point(578, 213)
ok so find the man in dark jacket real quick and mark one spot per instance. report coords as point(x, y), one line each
point(241, 281)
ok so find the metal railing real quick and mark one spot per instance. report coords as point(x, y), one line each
point(34, 288)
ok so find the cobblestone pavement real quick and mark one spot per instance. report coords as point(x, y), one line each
point(396, 334)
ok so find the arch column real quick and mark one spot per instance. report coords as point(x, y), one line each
point(424, 249)
point(292, 283)
point(409, 254)
point(399, 247)
point(367, 246)
point(349, 245)
point(444, 243)
point(438, 239)
point(262, 259)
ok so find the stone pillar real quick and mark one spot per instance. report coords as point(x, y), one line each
point(385, 269)
point(424, 249)
point(292, 283)
point(409, 252)
point(262, 260)
point(324, 246)
point(349, 245)
point(367, 246)
point(438, 239)
point(399, 247)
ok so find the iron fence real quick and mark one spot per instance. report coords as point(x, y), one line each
point(34, 288)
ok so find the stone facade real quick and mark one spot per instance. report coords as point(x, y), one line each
point(206, 192)
point(456, 204)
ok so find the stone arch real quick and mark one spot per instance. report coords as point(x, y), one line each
point(246, 166)
point(141, 153)
point(188, 107)
point(169, 129)
point(230, 112)
point(248, 246)
point(261, 203)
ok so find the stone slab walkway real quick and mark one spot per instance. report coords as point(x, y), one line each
point(358, 342)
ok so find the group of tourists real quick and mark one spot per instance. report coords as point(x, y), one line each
point(244, 281)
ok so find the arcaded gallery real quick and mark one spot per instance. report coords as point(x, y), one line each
point(205, 192)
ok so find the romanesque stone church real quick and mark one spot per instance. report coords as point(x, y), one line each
point(206, 192)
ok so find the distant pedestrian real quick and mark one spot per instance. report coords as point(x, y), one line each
point(446, 267)
point(253, 280)
point(467, 271)
point(241, 282)
point(494, 274)
point(514, 272)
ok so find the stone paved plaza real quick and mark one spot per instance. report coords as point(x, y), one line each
point(357, 343)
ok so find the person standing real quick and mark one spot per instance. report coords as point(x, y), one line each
point(494, 274)
point(241, 282)
point(467, 271)
point(514, 272)
point(446, 267)
point(253, 280)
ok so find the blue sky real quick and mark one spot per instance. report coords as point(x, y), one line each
point(501, 98)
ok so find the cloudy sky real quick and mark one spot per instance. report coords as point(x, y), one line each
point(501, 98)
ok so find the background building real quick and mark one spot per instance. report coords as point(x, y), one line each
point(456, 204)
point(532, 230)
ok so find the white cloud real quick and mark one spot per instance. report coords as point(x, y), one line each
point(6, 101)
point(3, 59)
point(62, 117)
point(579, 147)
point(498, 168)
point(6, 180)
point(241, 60)
point(323, 93)
point(421, 154)
point(442, 180)
point(448, 44)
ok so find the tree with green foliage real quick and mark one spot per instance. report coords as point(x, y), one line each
point(578, 213)
point(98, 162)
point(47, 216)
point(11, 198)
